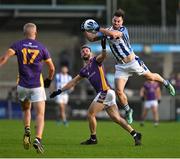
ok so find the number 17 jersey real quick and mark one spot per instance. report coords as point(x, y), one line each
point(30, 55)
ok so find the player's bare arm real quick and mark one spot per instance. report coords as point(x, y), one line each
point(91, 37)
point(142, 92)
point(4, 58)
point(100, 58)
point(72, 83)
point(112, 33)
point(51, 68)
point(158, 92)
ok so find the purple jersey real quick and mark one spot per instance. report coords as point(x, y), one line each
point(30, 55)
point(94, 72)
point(150, 90)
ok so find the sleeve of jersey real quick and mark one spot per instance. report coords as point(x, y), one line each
point(100, 34)
point(82, 72)
point(14, 47)
point(46, 54)
point(124, 31)
point(99, 64)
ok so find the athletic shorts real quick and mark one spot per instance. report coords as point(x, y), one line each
point(62, 98)
point(107, 98)
point(150, 103)
point(32, 94)
point(128, 69)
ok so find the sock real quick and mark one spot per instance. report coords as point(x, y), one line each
point(133, 133)
point(27, 128)
point(156, 121)
point(65, 121)
point(165, 82)
point(93, 137)
point(126, 107)
point(38, 139)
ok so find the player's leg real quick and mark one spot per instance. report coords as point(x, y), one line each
point(156, 77)
point(26, 108)
point(144, 114)
point(115, 116)
point(120, 85)
point(94, 108)
point(40, 111)
point(155, 113)
point(62, 112)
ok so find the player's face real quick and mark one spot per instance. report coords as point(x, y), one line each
point(117, 22)
point(85, 54)
point(64, 70)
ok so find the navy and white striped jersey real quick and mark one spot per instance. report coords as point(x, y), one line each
point(62, 79)
point(121, 47)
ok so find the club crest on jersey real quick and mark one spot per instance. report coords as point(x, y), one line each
point(122, 29)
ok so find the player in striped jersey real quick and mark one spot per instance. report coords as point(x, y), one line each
point(127, 62)
point(105, 99)
point(61, 79)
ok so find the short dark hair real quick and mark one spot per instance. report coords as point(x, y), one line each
point(119, 13)
point(85, 46)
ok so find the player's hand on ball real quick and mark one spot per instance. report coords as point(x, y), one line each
point(47, 83)
point(82, 27)
point(55, 93)
point(91, 25)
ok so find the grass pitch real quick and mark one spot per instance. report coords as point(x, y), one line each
point(113, 141)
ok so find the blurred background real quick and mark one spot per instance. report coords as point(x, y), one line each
point(154, 29)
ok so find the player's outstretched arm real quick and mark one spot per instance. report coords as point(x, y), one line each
point(68, 86)
point(90, 36)
point(72, 83)
point(4, 58)
point(115, 34)
point(100, 58)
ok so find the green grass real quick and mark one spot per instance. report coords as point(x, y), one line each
point(60, 141)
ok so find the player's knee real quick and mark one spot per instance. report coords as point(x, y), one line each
point(119, 93)
point(25, 105)
point(90, 114)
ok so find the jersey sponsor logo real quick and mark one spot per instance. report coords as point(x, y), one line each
point(91, 75)
point(102, 97)
point(122, 29)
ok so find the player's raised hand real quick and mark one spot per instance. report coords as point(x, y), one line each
point(82, 27)
point(103, 43)
point(92, 25)
point(55, 93)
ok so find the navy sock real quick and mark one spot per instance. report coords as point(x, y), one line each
point(126, 107)
point(38, 139)
point(93, 137)
point(133, 133)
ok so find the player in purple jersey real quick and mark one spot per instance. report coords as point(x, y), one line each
point(105, 99)
point(30, 56)
point(150, 94)
point(127, 62)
